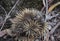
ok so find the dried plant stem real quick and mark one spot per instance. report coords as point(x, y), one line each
point(7, 16)
point(3, 9)
point(46, 9)
point(47, 35)
point(53, 29)
point(44, 3)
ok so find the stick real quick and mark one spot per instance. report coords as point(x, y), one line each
point(53, 29)
point(7, 16)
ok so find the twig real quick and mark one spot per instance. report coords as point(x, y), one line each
point(44, 3)
point(7, 16)
point(46, 6)
point(47, 36)
point(42, 9)
point(46, 9)
point(3, 9)
point(52, 38)
point(52, 31)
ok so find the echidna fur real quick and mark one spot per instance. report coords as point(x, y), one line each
point(28, 21)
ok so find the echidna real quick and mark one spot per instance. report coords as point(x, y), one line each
point(28, 21)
